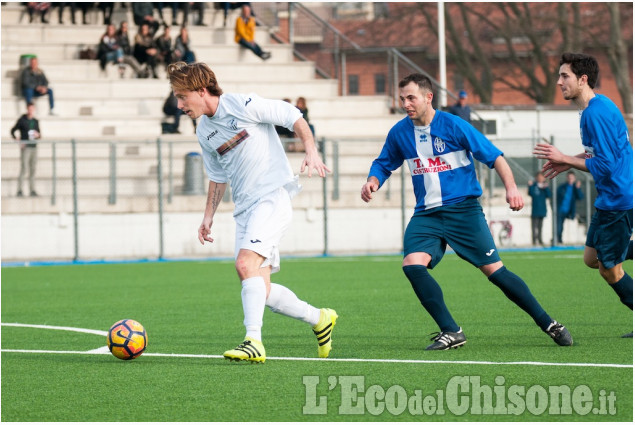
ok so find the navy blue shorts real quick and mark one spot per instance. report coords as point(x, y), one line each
point(610, 233)
point(462, 226)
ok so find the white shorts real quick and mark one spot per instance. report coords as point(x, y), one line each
point(261, 226)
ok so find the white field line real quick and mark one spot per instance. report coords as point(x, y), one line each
point(57, 328)
point(104, 350)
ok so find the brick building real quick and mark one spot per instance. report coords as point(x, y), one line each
point(411, 29)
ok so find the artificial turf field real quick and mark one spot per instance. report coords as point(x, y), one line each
point(508, 371)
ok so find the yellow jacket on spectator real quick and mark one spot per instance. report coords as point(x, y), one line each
point(245, 30)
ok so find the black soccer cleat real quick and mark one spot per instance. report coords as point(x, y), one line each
point(447, 340)
point(628, 335)
point(559, 334)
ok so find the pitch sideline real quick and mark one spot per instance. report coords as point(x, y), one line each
point(104, 350)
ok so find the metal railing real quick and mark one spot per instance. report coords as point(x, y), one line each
point(100, 177)
point(334, 48)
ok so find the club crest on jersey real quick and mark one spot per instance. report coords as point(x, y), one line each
point(232, 143)
point(233, 124)
point(439, 144)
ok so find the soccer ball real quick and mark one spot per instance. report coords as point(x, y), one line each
point(127, 339)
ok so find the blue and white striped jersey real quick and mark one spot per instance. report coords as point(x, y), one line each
point(608, 153)
point(439, 157)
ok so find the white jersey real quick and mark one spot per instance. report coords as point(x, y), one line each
point(241, 146)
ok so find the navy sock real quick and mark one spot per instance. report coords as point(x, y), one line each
point(624, 289)
point(431, 297)
point(516, 290)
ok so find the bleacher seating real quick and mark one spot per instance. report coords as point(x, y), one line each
point(92, 105)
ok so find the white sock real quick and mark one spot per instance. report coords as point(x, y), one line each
point(282, 300)
point(253, 294)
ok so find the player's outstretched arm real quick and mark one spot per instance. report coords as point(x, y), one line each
point(312, 159)
point(215, 194)
point(372, 185)
point(512, 194)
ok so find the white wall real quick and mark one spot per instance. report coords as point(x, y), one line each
point(132, 236)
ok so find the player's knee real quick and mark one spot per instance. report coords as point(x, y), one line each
point(416, 259)
point(243, 268)
point(591, 261)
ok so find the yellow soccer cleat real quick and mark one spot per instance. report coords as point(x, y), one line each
point(323, 331)
point(250, 350)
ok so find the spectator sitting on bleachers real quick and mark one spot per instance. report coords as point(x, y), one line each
point(35, 84)
point(171, 109)
point(144, 50)
point(245, 33)
point(143, 12)
point(123, 39)
point(163, 43)
point(182, 50)
point(124, 42)
point(110, 51)
point(42, 7)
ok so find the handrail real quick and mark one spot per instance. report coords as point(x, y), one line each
point(391, 51)
point(325, 24)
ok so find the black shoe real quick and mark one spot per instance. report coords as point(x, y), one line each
point(33, 193)
point(19, 194)
point(628, 335)
point(447, 340)
point(559, 334)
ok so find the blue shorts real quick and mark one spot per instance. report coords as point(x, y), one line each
point(609, 234)
point(462, 226)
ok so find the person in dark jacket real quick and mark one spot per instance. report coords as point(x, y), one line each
point(539, 192)
point(35, 84)
point(29, 128)
point(568, 194)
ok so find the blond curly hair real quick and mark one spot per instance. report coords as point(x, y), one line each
point(193, 77)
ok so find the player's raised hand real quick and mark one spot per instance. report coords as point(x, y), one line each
point(204, 231)
point(312, 161)
point(514, 199)
point(372, 185)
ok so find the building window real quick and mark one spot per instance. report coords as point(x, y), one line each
point(380, 83)
point(353, 84)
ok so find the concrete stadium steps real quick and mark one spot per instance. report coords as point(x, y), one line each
point(152, 105)
point(70, 127)
point(150, 126)
point(91, 104)
point(73, 70)
point(209, 54)
point(89, 35)
point(128, 89)
point(355, 127)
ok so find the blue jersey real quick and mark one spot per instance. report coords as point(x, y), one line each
point(439, 157)
point(608, 153)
